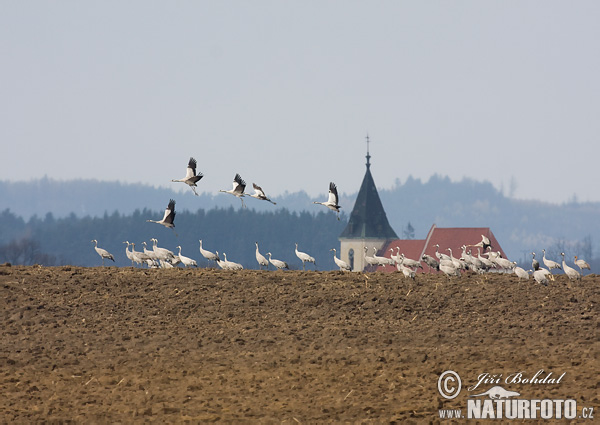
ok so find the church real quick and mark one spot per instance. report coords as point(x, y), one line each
point(368, 227)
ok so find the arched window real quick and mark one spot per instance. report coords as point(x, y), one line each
point(351, 258)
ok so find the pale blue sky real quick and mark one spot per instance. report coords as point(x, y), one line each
point(284, 92)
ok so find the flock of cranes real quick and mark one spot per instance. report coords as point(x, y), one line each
point(238, 190)
point(488, 261)
point(448, 264)
point(161, 257)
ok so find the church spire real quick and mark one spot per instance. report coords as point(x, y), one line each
point(368, 155)
point(368, 218)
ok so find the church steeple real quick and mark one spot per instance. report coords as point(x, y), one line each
point(368, 218)
point(368, 155)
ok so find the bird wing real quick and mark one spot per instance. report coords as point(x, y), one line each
point(192, 167)
point(333, 195)
point(191, 174)
point(170, 212)
point(238, 184)
point(258, 190)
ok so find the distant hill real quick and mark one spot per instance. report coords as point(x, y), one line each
point(521, 226)
point(94, 198)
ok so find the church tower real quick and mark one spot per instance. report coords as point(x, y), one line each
point(368, 225)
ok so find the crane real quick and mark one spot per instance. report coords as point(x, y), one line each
point(162, 254)
point(260, 194)
point(262, 261)
point(535, 264)
point(332, 201)
point(232, 265)
point(406, 271)
point(220, 262)
point(484, 243)
point(504, 263)
point(569, 271)
point(549, 263)
point(582, 264)
point(277, 263)
point(305, 257)
point(152, 258)
point(344, 267)
point(455, 261)
point(521, 273)
point(210, 256)
point(447, 267)
point(186, 261)
point(440, 255)
point(238, 188)
point(395, 258)
point(485, 262)
point(410, 263)
point(540, 276)
point(370, 260)
point(191, 178)
point(102, 252)
point(140, 257)
point(382, 261)
point(431, 262)
point(128, 253)
point(169, 216)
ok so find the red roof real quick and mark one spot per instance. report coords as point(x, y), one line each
point(446, 237)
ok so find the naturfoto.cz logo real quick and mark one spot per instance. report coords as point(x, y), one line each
point(498, 402)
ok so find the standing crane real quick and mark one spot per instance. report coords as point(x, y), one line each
point(186, 261)
point(305, 257)
point(344, 267)
point(549, 263)
point(169, 216)
point(370, 260)
point(262, 261)
point(162, 254)
point(210, 256)
point(582, 264)
point(238, 188)
point(431, 262)
point(191, 178)
point(332, 201)
point(102, 252)
point(128, 253)
point(569, 271)
point(535, 264)
point(232, 265)
point(410, 263)
point(140, 257)
point(277, 263)
point(260, 194)
point(153, 261)
point(521, 273)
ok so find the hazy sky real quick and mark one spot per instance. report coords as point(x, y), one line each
point(285, 92)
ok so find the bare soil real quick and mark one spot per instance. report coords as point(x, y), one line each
point(123, 345)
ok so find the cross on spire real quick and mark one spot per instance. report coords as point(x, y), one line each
point(368, 155)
